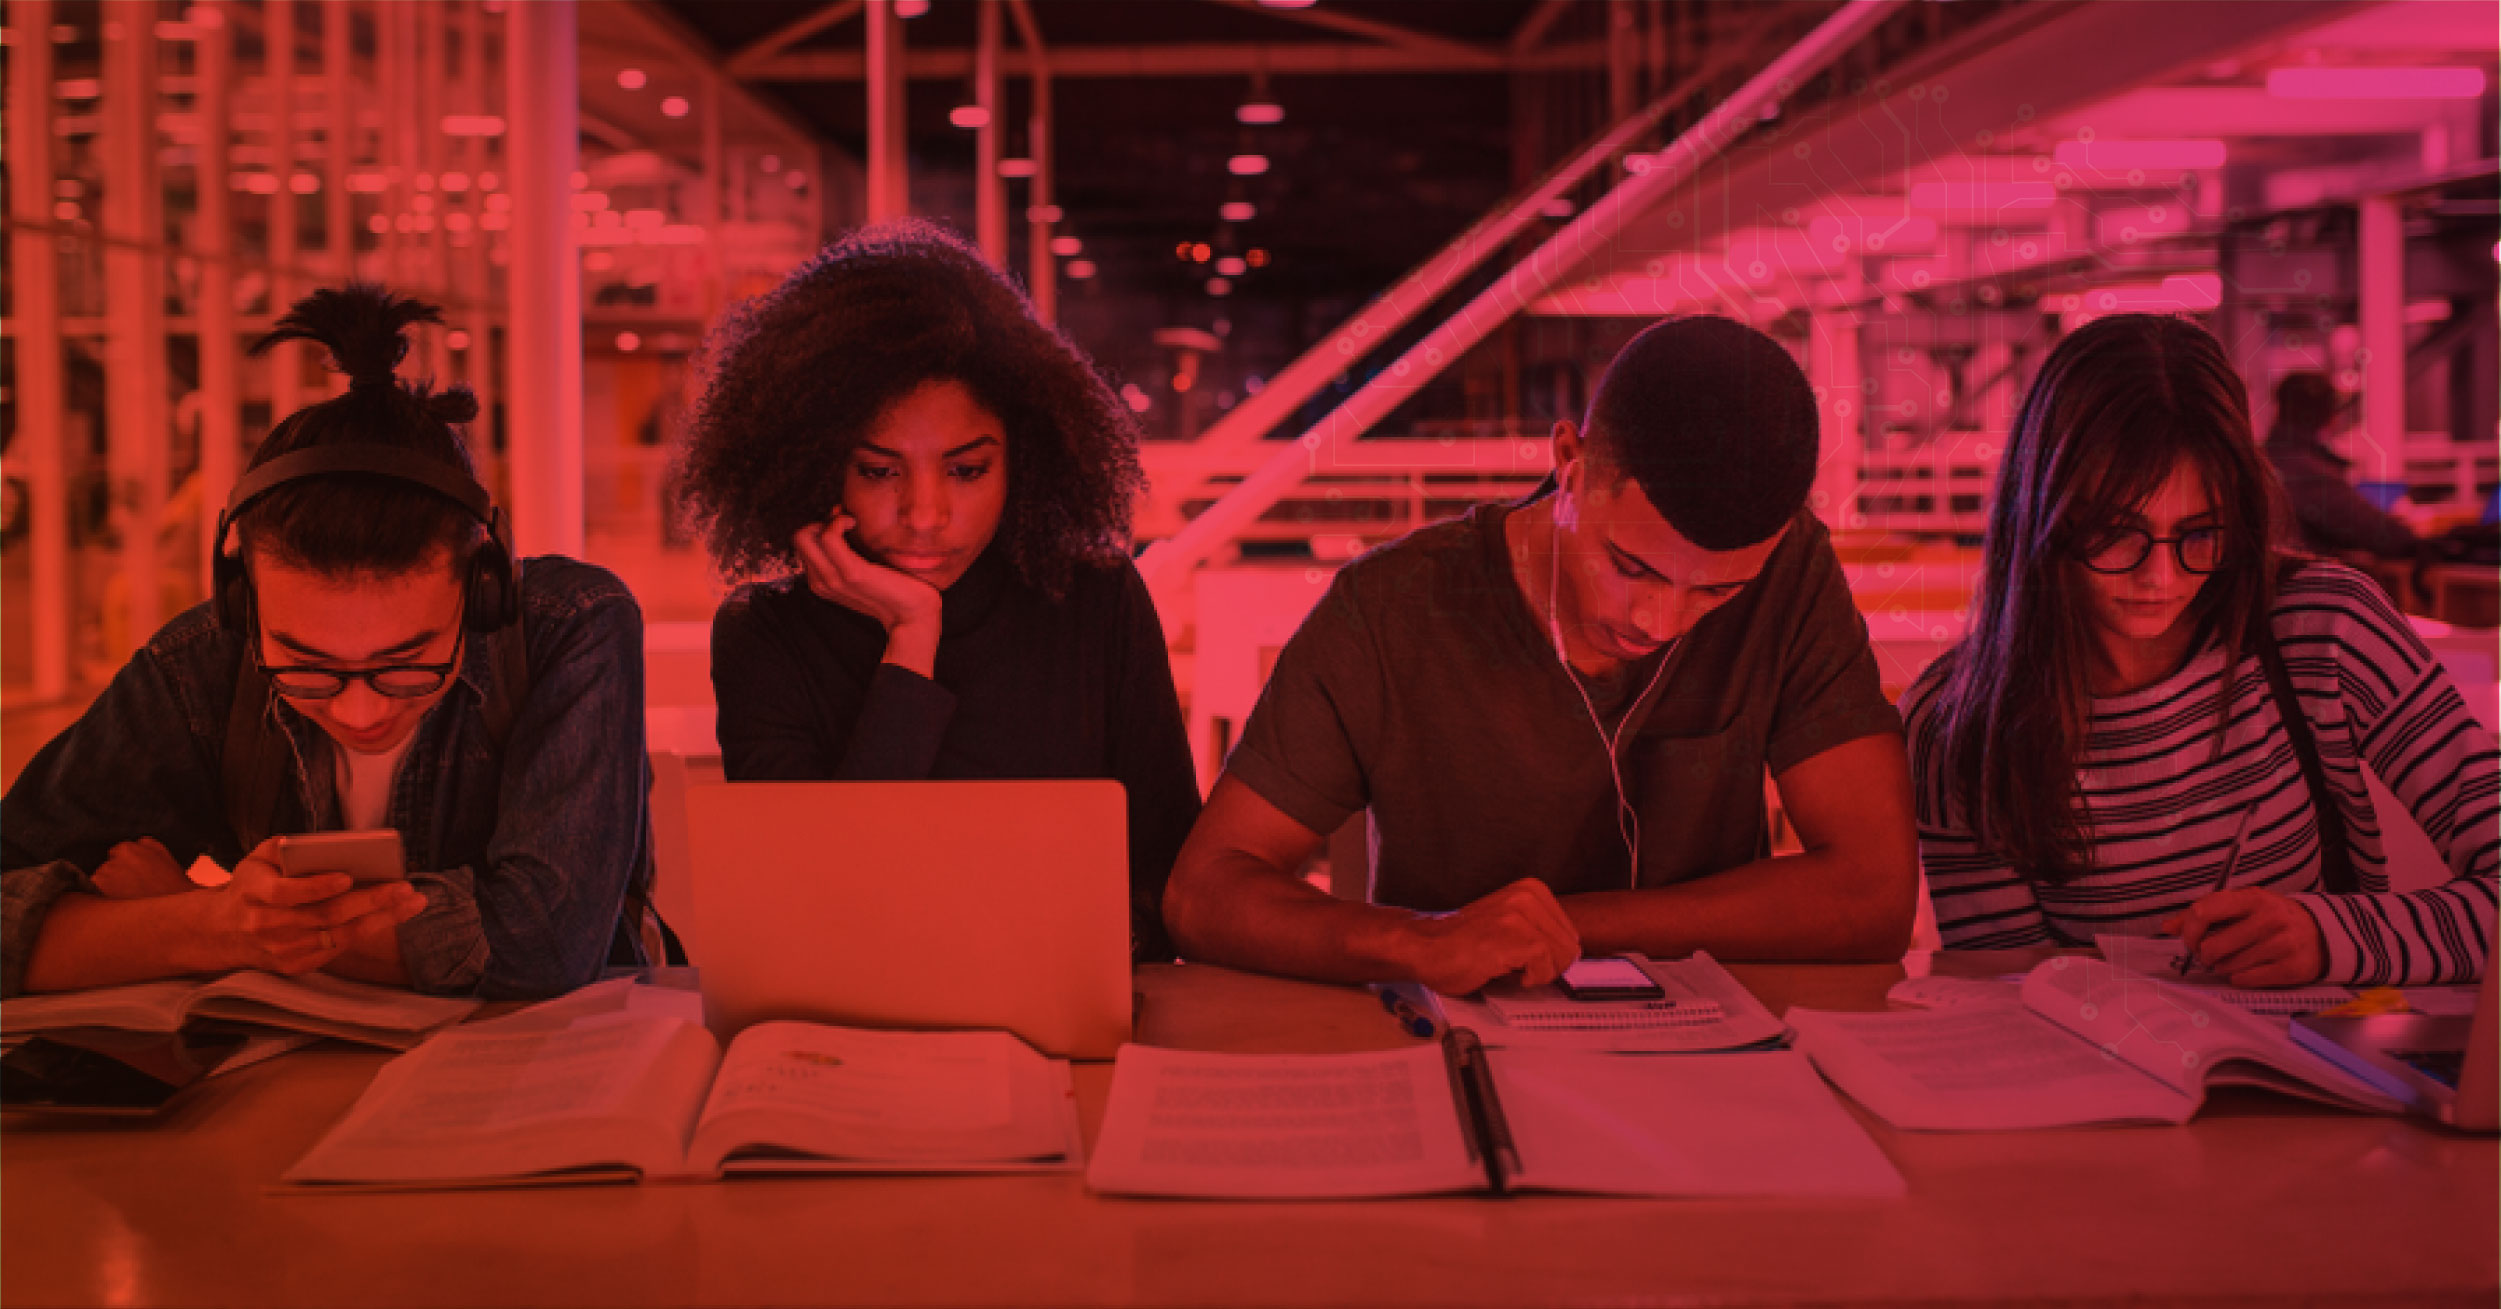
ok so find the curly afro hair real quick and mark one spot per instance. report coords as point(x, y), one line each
point(794, 378)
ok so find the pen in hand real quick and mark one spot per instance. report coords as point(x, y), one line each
point(2231, 862)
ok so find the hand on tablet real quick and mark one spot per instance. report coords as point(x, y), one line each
point(1520, 929)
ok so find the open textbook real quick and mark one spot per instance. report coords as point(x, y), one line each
point(315, 1003)
point(1453, 1116)
point(2089, 1043)
point(1704, 1008)
point(628, 1093)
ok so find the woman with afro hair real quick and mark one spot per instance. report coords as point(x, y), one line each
point(928, 493)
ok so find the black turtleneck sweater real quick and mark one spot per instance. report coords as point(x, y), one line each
point(1026, 687)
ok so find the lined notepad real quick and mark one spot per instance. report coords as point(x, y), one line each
point(2158, 957)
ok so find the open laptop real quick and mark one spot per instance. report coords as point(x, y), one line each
point(915, 905)
point(2443, 1067)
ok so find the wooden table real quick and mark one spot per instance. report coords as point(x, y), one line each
point(2261, 1201)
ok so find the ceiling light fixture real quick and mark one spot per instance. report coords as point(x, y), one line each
point(1238, 211)
point(1246, 165)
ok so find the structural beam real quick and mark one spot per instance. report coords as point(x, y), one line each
point(1185, 59)
point(40, 452)
point(2021, 60)
point(137, 434)
point(2379, 450)
point(745, 61)
point(286, 360)
point(989, 189)
point(1355, 25)
point(1540, 21)
point(212, 239)
point(543, 341)
point(1042, 212)
point(1249, 422)
point(1167, 565)
point(338, 109)
point(1834, 366)
point(478, 309)
point(889, 164)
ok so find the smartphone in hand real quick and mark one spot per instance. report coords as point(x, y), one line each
point(374, 856)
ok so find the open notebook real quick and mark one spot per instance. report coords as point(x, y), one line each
point(316, 1004)
point(1453, 1116)
point(2090, 1043)
point(622, 1095)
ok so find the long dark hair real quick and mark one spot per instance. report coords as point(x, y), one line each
point(2114, 408)
point(795, 377)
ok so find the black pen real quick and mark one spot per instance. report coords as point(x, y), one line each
point(2230, 862)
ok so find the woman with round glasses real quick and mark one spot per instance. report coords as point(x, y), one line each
point(2159, 718)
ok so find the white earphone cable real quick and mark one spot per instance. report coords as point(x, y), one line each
point(1627, 819)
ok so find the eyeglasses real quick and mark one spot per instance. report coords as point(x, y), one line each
point(395, 682)
point(2124, 549)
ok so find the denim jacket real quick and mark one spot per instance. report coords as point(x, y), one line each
point(524, 858)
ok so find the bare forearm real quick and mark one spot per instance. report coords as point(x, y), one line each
point(89, 940)
point(1235, 910)
point(1824, 905)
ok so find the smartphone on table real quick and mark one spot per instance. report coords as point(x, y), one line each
point(1609, 977)
point(366, 857)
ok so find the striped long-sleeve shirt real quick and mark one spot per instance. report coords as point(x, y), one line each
point(2164, 792)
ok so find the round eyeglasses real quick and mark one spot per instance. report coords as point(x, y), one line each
point(2125, 549)
point(393, 682)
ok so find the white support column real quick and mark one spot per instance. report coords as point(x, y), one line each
point(40, 456)
point(707, 206)
point(389, 66)
point(478, 369)
point(134, 314)
point(1042, 215)
point(889, 170)
point(542, 148)
point(221, 366)
point(2379, 448)
point(989, 190)
point(1834, 366)
point(338, 109)
point(1041, 210)
point(286, 361)
point(433, 97)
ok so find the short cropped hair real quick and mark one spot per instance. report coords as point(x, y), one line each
point(357, 524)
point(1715, 423)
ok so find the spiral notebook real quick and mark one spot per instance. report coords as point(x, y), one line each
point(1704, 1008)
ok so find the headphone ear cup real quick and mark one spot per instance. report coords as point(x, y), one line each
point(494, 583)
point(230, 599)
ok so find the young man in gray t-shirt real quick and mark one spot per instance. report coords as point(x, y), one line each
point(1559, 715)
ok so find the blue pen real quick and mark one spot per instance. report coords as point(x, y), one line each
point(1412, 1019)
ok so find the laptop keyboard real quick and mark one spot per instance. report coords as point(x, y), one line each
point(2442, 1066)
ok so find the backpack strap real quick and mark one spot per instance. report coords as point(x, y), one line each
point(2335, 853)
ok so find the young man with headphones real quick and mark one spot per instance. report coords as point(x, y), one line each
point(373, 657)
point(1559, 715)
